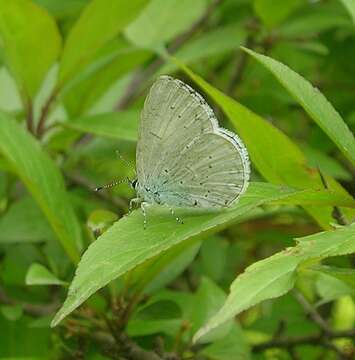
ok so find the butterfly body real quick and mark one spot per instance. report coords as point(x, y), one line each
point(184, 159)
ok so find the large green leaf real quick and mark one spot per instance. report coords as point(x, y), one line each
point(314, 102)
point(117, 125)
point(162, 20)
point(100, 22)
point(274, 276)
point(127, 244)
point(275, 156)
point(44, 182)
point(31, 42)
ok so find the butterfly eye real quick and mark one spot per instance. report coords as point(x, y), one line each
point(134, 183)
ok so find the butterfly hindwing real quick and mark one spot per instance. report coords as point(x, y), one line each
point(210, 173)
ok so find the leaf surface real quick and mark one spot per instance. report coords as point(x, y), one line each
point(127, 244)
point(117, 125)
point(31, 43)
point(314, 103)
point(39, 275)
point(275, 276)
point(272, 152)
point(43, 180)
point(100, 22)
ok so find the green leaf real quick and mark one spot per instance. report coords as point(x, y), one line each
point(326, 163)
point(276, 275)
point(214, 257)
point(37, 274)
point(19, 341)
point(310, 24)
point(81, 97)
point(44, 182)
point(350, 6)
point(24, 223)
point(345, 275)
point(163, 309)
point(330, 288)
point(263, 280)
point(162, 314)
point(207, 301)
point(11, 312)
point(100, 22)
point(264, 143)
point(274, 12)
point(100, 220)
point(162, 20)
point(314, 103)
point(343, 314)
point(159, 271)
point(62, 9)
point(319, 197)
point(117, 125)
point(127, 244)
point(234, 346)
point(212, 43)
point(10, 99)
point(31, 42)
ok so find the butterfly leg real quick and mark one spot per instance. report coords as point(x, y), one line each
point(144, 212)
point(176, 217)
point(134, 201)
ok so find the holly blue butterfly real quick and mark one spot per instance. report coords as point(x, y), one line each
point(183, 158)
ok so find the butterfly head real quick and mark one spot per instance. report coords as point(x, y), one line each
point(133, 183)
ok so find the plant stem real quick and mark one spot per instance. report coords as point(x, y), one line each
point(44, 113)
point(313, 313)
point(29, 118)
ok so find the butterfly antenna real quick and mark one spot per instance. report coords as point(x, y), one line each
point(111, 184)
point(124, 160)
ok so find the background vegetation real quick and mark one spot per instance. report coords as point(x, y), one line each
point(272, 277)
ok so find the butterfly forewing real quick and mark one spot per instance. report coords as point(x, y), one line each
point(183, 155)
point(173, 115)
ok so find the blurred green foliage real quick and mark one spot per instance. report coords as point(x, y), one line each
point(224, 286)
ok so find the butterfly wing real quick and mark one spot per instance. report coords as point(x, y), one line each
point(211, 173)
point(182, 154)
point(172, 117)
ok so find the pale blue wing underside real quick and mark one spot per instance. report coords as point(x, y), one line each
point(183, 157)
